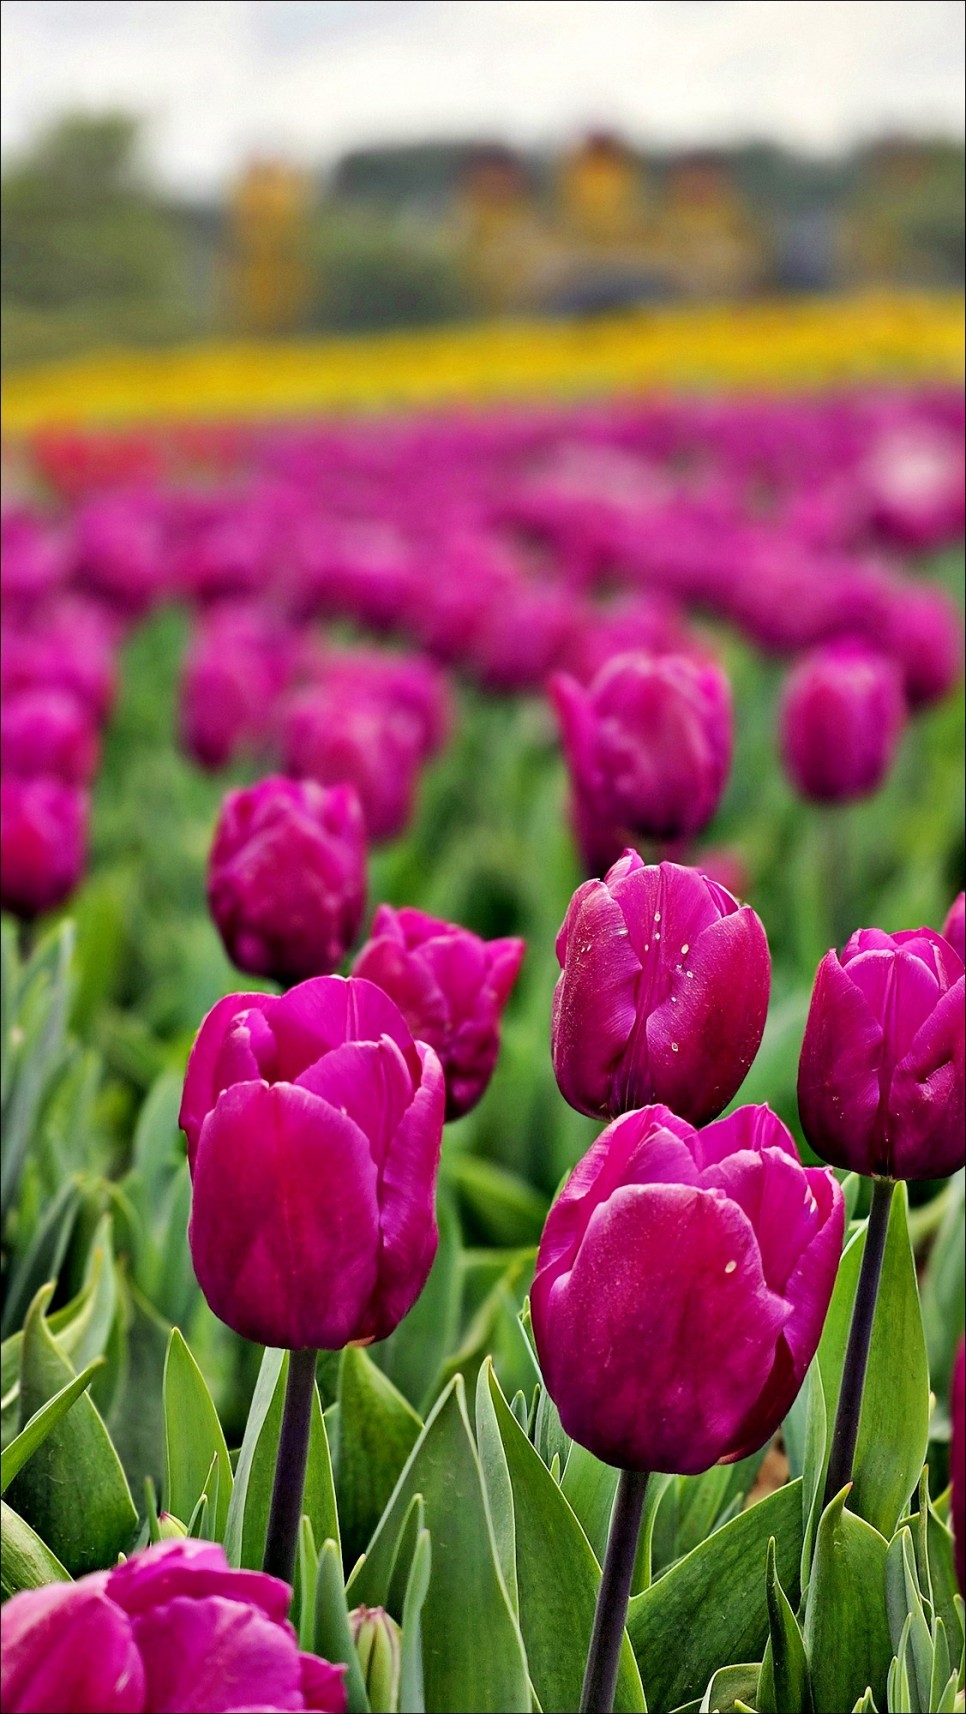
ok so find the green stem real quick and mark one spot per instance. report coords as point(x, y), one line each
point(846, 1431)
point(281, 1541)
point(603, 1660)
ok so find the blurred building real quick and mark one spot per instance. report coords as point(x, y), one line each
point(903, 222)
point(710, 244)
point(269, 280)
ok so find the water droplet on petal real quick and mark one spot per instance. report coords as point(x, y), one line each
point(730, 1267)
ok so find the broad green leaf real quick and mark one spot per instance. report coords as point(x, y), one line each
point(784, 1686)
point(496, 1481)
point(377, 1431)
point(459, 1674)
point(35, 1432)
point(713, 1604)
point(557, 1574)
point(192, 1438)
point(847, 1637)
point(247, 1522)
point(136, 1418)
point(402, 1560)
point(413, 1356)
point(26, 1561)
point(73, 1491)
point(412, 1691)
point(894, 1425)
point(333, 1638)
point(589, 1488)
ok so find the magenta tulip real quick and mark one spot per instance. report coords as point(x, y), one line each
point(451, 988)
point(842, 716)
point(287, 877)
point(880, 1081)
point(314, 1124)
point(171, 1628)
point(339, 738)
point(43, 843)
point(648, 747)
point(662, 994)
point(954, 928)
point(48, 732)
point(682, 1281)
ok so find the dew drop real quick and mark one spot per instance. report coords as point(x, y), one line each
point(730, 1267)
point(686, 948)
point(674, 1047)
point(657, 916)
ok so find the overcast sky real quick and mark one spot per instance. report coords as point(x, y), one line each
point(219, 79)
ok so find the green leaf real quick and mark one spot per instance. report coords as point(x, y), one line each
point(944, 1293)
point(35, 1432)
point(558, 1576)
point(136, 1418)
point(45, 1255)
point(26, 1562)
point(192, 1437)
point(333, 1638)
point(460, 1674)
point(847, 1637)
point(308, 1580)
point(42, 1003)
point(72, 1491)
point(377, 1431)
point(908, 1628)
point(894, 1425)
point(413, 1356)
point(412, 1693)
point(946, 1601)
point(247, 1521)
point(503, 1208)
point(497, 1483)
point(784, 1686)
point(713, 1604)
point(589, 1488)
point(731, 1689)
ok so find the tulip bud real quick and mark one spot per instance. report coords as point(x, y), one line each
point(954, 928)
point(171, 1528)
point(648, 747)
point(378, 1641)
point(287, 877)
point(842, 715)
point(48, 732)
point(880, 1080)
point(681, 1285)
point(662, 995)
point(43, 843)
point(451, 988)
point(314, 1125)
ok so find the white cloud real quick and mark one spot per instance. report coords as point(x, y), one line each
point(219, 78)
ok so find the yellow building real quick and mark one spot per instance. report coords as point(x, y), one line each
point(269, 279)
point(709, 244)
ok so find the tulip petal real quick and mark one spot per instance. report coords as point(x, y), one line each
point(407, 1200)
point(316, 1016)
point(925, 1108)
point(594, 1001)
point(195, 1568)
point(838, 1073)
point(216, 1655)
point(323, 1685)
point(409, 981)
point(284, 1226)
point(201, 1088)
point(370, 1082)
point(68, 1646)
point(901, 992)
point(505, 957)
point(666, 1278)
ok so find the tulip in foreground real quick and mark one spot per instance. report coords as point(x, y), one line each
point(842, 716)
point(681, 1285)
point(451, 988)
point(662, 994)
point(170, 1628)
point(648, 747)
point(880, 1081)
point(287, 877)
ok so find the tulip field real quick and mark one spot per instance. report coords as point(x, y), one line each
point(483, 1056)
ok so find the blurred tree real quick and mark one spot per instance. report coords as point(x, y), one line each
point(374, 273)
point(88, 252)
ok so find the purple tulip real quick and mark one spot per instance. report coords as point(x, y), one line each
point(235, 667)
point(954, 928)
point(48, 732)
point(314, 1124)
point(842, 716)
point(662, 994)
point(171, 1628)
point(957, 1464)
point(648, 746)
point(880, 1082)
point(341, 738)
point(70, 647)
point(43, 843)
point(451, 988)
point(287, 877)
point(682, 1281)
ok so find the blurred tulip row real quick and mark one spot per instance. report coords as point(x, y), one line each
point(405, 1385)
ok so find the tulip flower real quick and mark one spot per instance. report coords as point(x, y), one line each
point(681, 1285)
point(313, 1123)
point(171, 1627)
point(957, 1465)
point(954, 928)
point(662, 994)
point(359, 740)
point(842, 715)
point(648, 746)
point(451, 988)
point(880, 1081)
point(43, 843)
point(48, 732)
point(287, 877)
